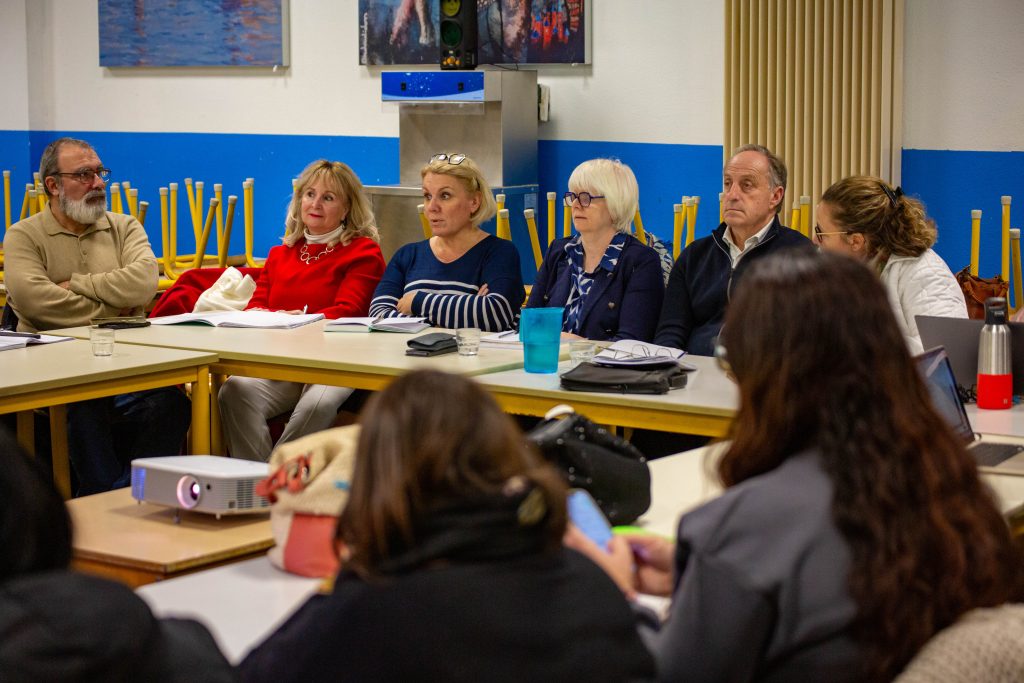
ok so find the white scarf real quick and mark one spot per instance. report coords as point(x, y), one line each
point(326, 238)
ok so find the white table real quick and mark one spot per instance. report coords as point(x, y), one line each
point(705, 406)
point(308, 355)
point(53, 375)
point(242, 603)
point(1001, 422)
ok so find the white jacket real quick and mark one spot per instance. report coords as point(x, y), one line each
point(921, 285)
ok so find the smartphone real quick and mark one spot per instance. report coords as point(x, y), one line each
point(122, 322)
point(588, 518)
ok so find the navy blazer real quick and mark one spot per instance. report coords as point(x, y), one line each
point(622, 304)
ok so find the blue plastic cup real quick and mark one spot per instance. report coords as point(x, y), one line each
point(540, 330)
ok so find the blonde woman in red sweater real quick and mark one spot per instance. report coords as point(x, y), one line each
point(330, 263)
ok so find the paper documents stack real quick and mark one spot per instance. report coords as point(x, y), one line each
point(407, 325)
point(629, 353)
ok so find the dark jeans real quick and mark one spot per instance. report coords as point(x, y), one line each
point(106, 434)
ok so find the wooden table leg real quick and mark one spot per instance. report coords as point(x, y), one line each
point(27, 431)
point(216, 429)
point(59, 449)
point(201, 412)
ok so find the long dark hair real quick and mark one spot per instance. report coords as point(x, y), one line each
point(432, 439)
point(35, 530)
point(821, 364)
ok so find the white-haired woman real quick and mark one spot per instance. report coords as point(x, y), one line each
point(609, 282)
point(330, 263)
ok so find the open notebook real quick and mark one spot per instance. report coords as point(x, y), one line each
point(258, 319)
point(19, 340)
point(407, 325)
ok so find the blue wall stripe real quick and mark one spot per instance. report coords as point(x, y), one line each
point(951, 183)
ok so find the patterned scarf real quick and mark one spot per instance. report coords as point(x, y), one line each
point(581, 280)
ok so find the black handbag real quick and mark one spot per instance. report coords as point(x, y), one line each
point(618, 380)
point(608, 467)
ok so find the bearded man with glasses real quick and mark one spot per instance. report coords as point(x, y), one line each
point(75, 261)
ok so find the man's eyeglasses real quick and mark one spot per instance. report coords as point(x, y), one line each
point(453, 159)
point(819, 233)
point(584, 197)
point(88, 175)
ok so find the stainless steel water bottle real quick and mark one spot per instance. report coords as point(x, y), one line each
point(995, 381)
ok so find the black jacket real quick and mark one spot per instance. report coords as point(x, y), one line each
point(551, 616)
point(702, 281)
point(64, 626)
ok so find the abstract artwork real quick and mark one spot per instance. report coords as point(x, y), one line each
point(509, 32)
point(193, 33)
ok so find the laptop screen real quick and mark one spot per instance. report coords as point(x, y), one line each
point(938, 376)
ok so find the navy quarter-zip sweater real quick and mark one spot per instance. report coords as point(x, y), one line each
point(702, 281)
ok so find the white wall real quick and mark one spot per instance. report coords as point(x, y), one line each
point(656, 77)
point(14, 58)
point(964, 75)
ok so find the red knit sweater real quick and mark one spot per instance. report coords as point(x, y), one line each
point(339, 284)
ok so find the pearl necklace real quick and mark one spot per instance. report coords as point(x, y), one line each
point(307, 259)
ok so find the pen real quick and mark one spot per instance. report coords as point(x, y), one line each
point(507, 333)
point(29, 335)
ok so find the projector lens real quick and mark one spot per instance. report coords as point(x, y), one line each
point(189, 491)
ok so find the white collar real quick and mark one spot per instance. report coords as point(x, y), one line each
point(326, 238)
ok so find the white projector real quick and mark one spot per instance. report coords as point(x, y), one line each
point(203, 483)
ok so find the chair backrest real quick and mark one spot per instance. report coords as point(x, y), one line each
point(983, 646)
point(9, 319)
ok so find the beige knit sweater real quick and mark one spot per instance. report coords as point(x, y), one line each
point(110, 266)
point(984, 646)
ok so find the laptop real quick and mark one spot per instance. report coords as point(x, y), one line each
point(937, 373)
point(959, 336)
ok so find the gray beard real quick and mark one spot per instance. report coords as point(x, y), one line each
point(82, 211)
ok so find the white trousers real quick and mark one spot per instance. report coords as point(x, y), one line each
point(246, 403)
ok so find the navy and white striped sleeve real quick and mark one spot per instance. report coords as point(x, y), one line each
point(392, 286)
point(494, 312)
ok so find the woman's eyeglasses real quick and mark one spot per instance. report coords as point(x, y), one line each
point(584, 198)
point(819, 233)
point(453, 159)
point(88, 175)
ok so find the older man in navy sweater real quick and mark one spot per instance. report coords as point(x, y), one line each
point(705, 273)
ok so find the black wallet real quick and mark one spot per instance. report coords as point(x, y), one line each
point(433, 344)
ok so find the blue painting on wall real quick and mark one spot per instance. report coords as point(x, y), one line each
point(193, 33)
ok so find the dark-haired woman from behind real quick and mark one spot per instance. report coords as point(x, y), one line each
point(453, 564)
point(59, 625)
point(854, 524)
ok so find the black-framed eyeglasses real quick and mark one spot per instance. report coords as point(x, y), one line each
point(88, 175)
point(453, 159)
point(584, 197)
point(819, 233)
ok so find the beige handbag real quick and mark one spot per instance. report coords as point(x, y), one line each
point(307, 489)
